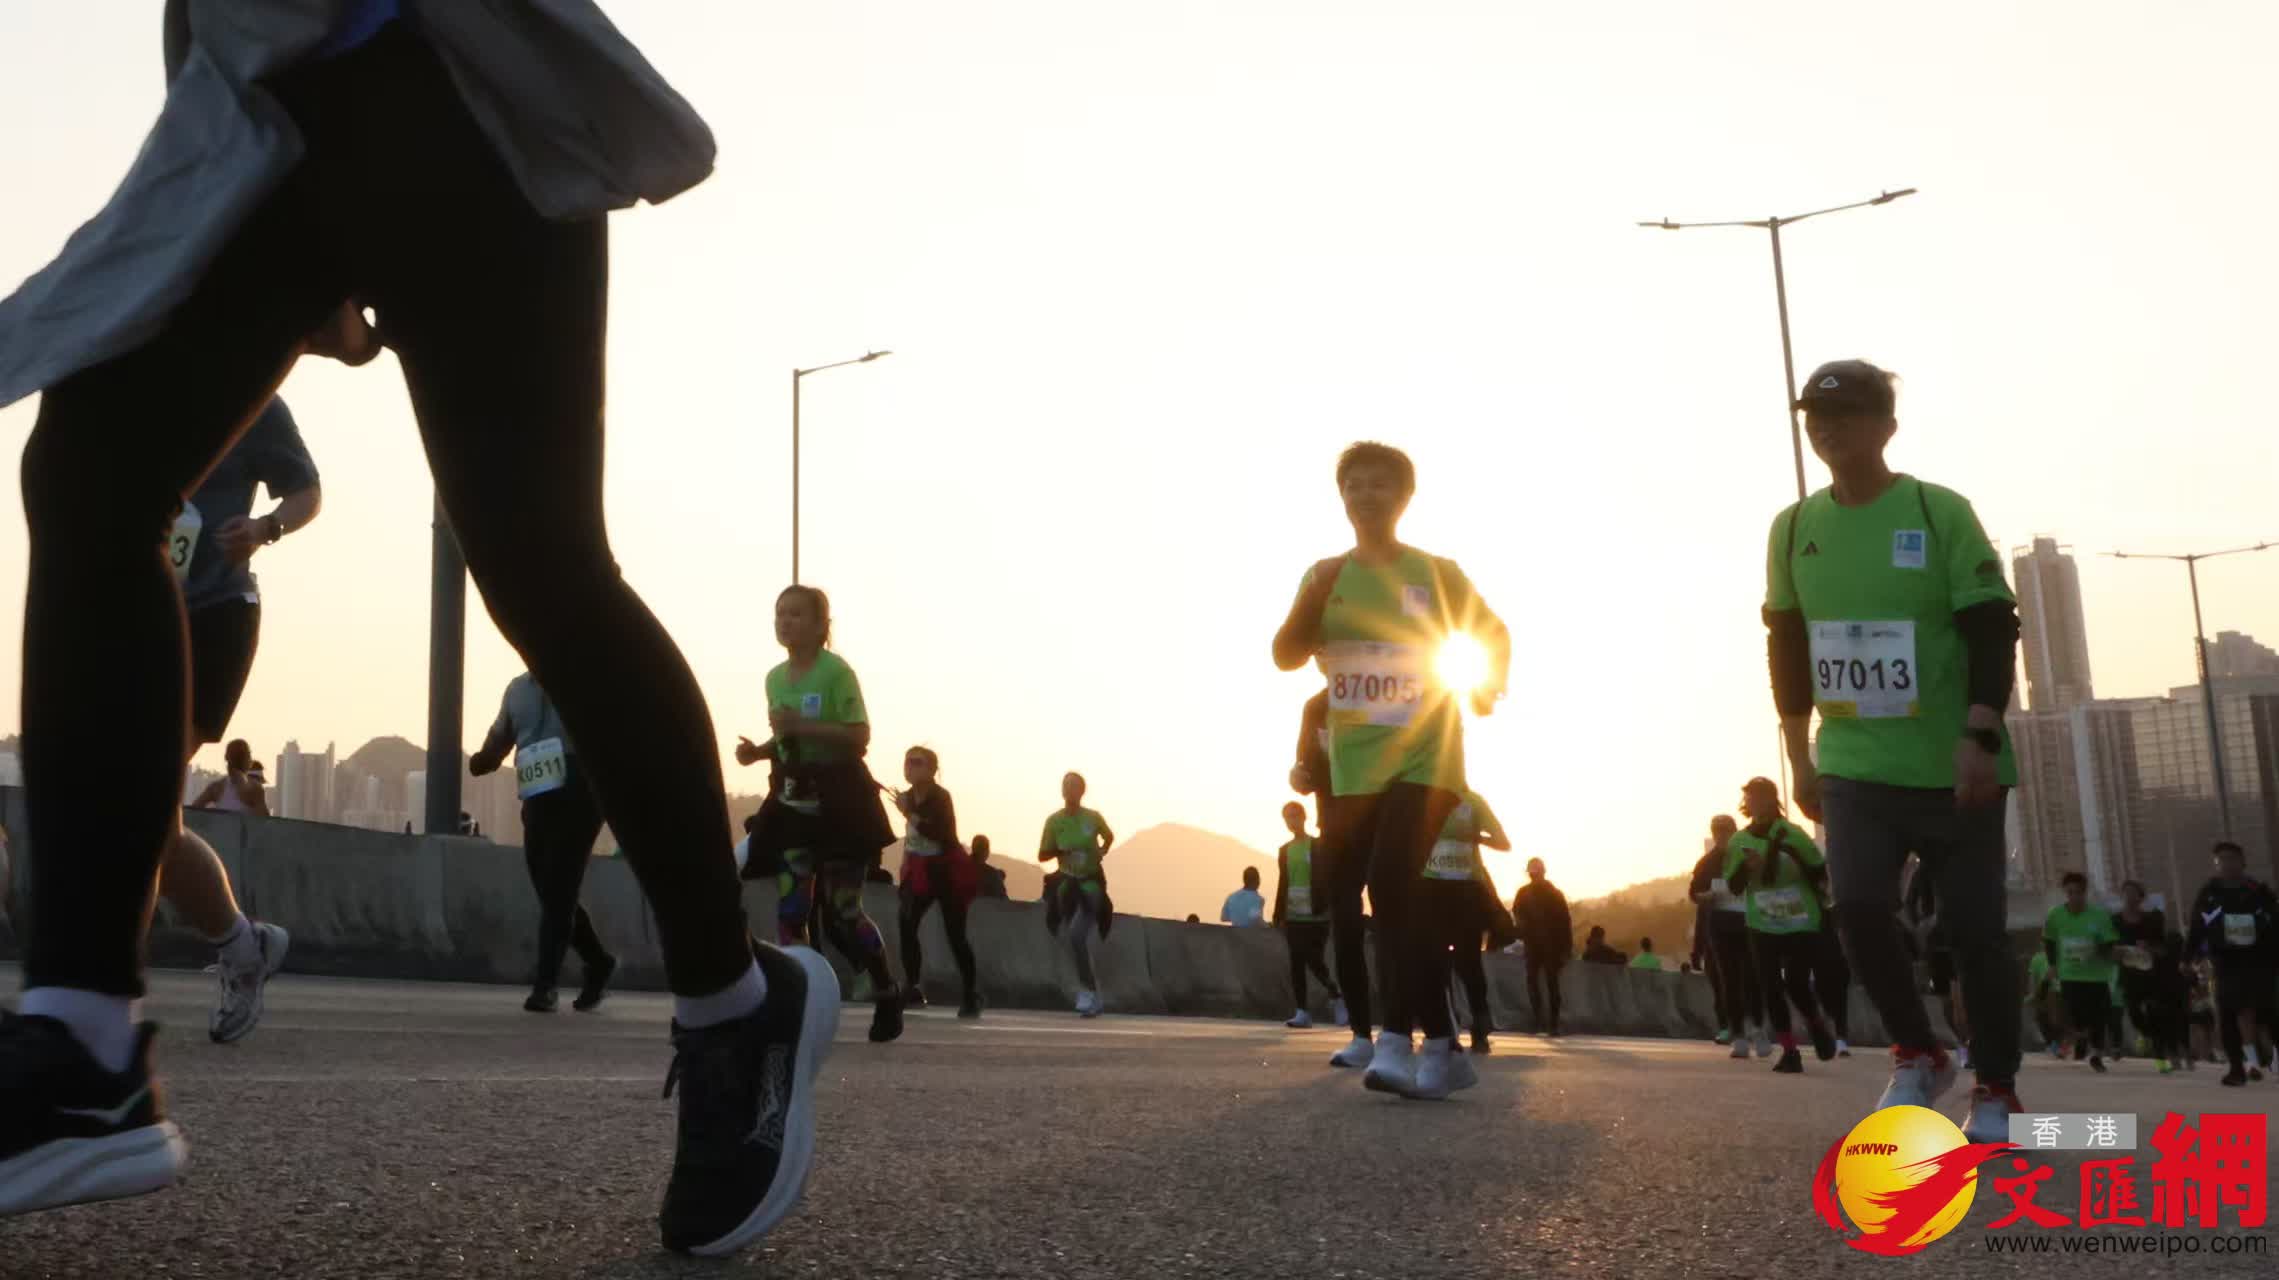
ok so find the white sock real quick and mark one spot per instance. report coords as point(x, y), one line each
point(731, 1002)
point(240, 947)
point(103, 1025)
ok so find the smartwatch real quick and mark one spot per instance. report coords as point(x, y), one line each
point(1988, 740)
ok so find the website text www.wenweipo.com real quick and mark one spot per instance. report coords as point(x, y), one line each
point(2167, 1246)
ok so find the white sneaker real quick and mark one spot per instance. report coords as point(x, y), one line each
point(1357, 1053)
point(1764, 1039)
point(242, 990)
point(1338, 1012)
point(1392, 1067)
point(1088, 1004)
point(1301, 1020)
point(1917, 1080)
point(1740, 1048)
point(1843, 1050)
point(1988, 1119)
point(1434, 1076)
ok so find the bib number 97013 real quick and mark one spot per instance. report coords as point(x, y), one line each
point(1375, 684)
point(1865, 670)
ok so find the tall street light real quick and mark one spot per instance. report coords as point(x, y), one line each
point(796, 375)
point(1780, 293)
point(2207, 682)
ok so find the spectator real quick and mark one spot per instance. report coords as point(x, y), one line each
point(992, 878)
point(1192, 918)
point(1646, 959)
point(244, 790)
point(1245, 908)
point(1547, 937)
point(1595, 950)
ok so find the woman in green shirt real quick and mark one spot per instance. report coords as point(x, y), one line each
point(1079, 840)
point(1780, 874)
point(1380, 615)
point(822, 825)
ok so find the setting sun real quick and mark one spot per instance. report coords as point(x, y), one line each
point(1463, 663)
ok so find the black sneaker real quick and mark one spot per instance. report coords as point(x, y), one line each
point(971, 1008)
point(2255, 1074)
point(1823, 1042)
point(542, 1000)
point(1480, 1042)
point(71, 1132)
point(913, 997)
point(747, 1109)
point(2234, 1079)
point(2096, 1064)
point(886, 1018)
point(597, 985)
point(1791, 1063)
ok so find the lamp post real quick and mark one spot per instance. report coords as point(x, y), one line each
point(796, 375)
point(2207, 681)
point(1780, 295)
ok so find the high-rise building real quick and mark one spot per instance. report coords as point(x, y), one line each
point(304, 784)
point(2052, 631)
point(2232, 655)
point(2048, 811)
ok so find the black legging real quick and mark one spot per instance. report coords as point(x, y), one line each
point(1832, 982)
point(1784, 964)
point(1306, 939)
point(2088, 1005)
point(1472, 971)
point(953, 923)
point(1346, 876)
point(1415, 916)
point(558, 831)
point(497, 316)
point(1736, 971)
point(2154, 1014)
point(1543, 973)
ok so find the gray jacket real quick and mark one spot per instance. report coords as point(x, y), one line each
point(585, 124)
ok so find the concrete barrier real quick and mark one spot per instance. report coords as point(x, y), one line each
point(373, 904)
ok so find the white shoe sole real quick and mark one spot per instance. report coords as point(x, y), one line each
point(1398, 1083)
point(819, 1023)
point(82, 1170)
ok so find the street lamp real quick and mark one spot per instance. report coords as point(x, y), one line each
point(2200, 649)
point(1780, 293)
point(796, 375)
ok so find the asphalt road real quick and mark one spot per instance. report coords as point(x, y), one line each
point(375, 1129)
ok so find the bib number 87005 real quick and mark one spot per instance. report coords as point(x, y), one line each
point(1375, 684)
point(1350, 688)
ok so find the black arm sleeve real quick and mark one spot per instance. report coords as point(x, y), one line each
point(1789, 655)
point(1704, 871)
point(1990, 638)
point(1281, 882)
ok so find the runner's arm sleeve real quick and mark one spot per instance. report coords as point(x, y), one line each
point(1990, 644)
point(1281, 882)
point(1788, 656)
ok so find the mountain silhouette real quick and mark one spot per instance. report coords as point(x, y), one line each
point(1171, 870)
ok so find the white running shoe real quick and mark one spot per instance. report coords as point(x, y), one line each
point(1764, 1039)
point(1917, 1079)
point(1301, 1020)
point(1988, 1119)
point(1338, 1012)
point(242, 990)
point(1357, 1053)
point(1433, 1076)
point(1088, 1004)
point(1740, 1048)
point(1843, 1050)
point(1392, 1068)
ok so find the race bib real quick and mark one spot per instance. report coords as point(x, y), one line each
point(1301, 900)
point(182, 540)
point(2138, 958)
point(2077, 952)
point(1079, 862)
point(2239, 930)
point(1375, 684)
point(1451, 860)
point(540, 767)
point(1864, 670)
point(1784, 905)
point(918, 846)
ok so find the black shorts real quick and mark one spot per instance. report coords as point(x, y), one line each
point(222, 640)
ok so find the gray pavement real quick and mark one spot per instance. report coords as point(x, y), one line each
point(384, 1129)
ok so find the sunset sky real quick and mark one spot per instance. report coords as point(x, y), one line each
point(1146, 268)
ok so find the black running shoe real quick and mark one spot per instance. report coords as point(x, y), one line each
point(747, 1109)
point(542, 1000)
point(2255, 1074)
point(71, 1132)
point(597, 985)
point(1480, 1043)
point(886, 1018)
point(2096, 1064)
point(1791, 1063)
point(1823, 1042)
point(2234, 1079)
point(971, 1008)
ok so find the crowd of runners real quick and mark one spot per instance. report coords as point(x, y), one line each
point(444, 171)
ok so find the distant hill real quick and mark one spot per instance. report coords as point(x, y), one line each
point(1174, 871)
point(1656, 909)
point(389, 759)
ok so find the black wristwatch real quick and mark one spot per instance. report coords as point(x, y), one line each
point(276, 529)
point(1988, 740)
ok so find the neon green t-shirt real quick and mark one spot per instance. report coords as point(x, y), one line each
point(2077, 936)
point(1456, 854)
point(1646, 960)
point(1390, 717)
point(1076, 837)
point(828, 693)
point(1300, 901)
point(1879, 586)
point(1780, 897)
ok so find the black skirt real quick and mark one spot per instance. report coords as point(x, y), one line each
point(849, 824)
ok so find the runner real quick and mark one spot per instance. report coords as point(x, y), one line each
point(1344, 877)
point(561, 819)
point(822, 825)
point(2235, 923)
point(935, 869)
point(241, 788)
point(1736, 967)
point(1380, 615)
point(1300, 913)
point(1780, 875)
point(1547, 934)
point(1079, 840)
point(447, 172)
point(1452, 898)
point(2079, 939)
point(2142, 965)
point(1887, 610)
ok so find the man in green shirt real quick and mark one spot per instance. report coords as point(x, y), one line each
point(1646, 959)
point(1888, 613)
point(1301, 912)
point(2079, 938)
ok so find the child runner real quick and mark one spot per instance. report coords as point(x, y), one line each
point(1079, 840)
point(935, 868)
point(1301, 912)
point(822, 825)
